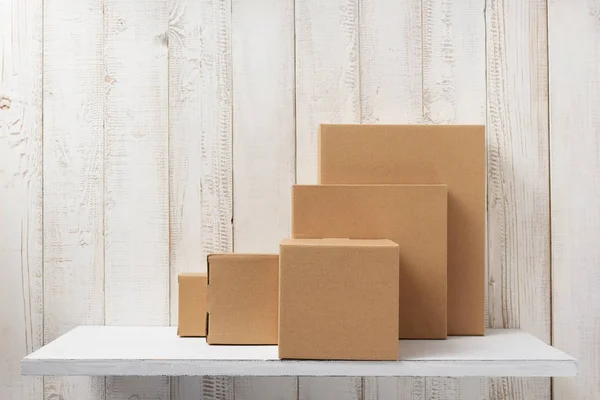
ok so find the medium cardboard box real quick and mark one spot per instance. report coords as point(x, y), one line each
point(192, 304)
point(407, 154)
point(338, 299)
point(413, 216)
point(242, 298)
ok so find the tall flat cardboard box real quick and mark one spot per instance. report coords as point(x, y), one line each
point(338, 299)
point(413, 216)
point(192, 304)
point(242, 298)
point(414, 154)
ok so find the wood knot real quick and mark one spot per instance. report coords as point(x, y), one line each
point(5, 103)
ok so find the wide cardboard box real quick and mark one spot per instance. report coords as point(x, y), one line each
point(415, 154)
point(192, 304)
point(242, 298)
point(413, 216)
point(338, 299)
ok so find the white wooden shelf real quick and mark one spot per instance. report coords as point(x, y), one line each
point(105, 350)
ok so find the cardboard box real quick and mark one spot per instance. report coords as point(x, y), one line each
point(338, 299)
point(242, 298)
point(407, 154)
point(414, 216)
point(192, 304)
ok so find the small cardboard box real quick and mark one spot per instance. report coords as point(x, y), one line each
point(454, 155)
point(242, 298)
point(413, 216)
point(338, 299)
point(192, 304)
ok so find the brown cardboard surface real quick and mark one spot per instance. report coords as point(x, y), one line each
point(413, 216)
point(192, 304)
point(338, 299)
point(242, 298)
point(415, 154)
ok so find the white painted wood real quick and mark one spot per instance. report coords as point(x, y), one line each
point(327, 90)
point(199, 152)
point(116, 350)
point(327, 74)
point(410, 388)
point(21, 320)
point(391, 91)
point(391, 79)
point(574, 50)
point(136, 175)
point(518, 179)
point(454, 92)
point(73, 179)
point(263, 144)
point(453, 61)
point(204, 29)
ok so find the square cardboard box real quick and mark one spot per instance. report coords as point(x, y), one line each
point(242, 298)
point(454, 155)
point(414, 216)
point(338, 299)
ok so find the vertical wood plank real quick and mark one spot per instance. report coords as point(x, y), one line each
point(327, 91)
point(73, 179)
point(200, 148)
point(186, 119)
point(453, 61)
point(391, 63)
point(21, 238)
point(136, 176)
point(391, 83)
point(453, 93)
point(574, 39)
point(263, 144)
point(327, 76)
point(518, 179)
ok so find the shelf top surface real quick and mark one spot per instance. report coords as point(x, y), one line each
point(110, 350)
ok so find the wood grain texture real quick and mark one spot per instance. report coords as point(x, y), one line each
point(394, 388)
point(21, 238)
point(518, 179)
point(189, 117)
point(391, 75)
point(391, 91)
point(200, 147)
point(574, 49)
point(327, 91)
point(263, 144)
point(327, 74)
point(136, 176)
point(453, 61)
point(454, 92)
point(73, 179)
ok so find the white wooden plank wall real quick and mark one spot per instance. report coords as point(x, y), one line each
point(73, 179)
point(200, 153)
point(518, 179)
point(21, 252)
point(453, 47)
point(136, 194)
point(175, 128)
point(574, 50)
point(263, 145)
